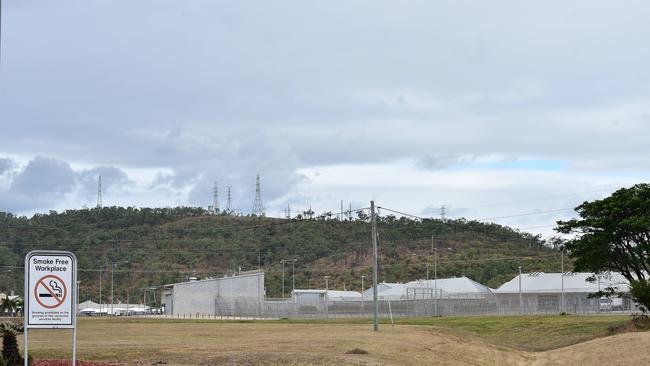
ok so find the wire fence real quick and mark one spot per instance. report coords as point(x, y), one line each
point(488, 304)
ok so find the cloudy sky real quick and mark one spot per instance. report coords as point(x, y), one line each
point(505, 111)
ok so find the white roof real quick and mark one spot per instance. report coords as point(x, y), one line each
point(540, 282)
point(444, 286)
point(93, 305)
point(343, 294)
point(308, 291)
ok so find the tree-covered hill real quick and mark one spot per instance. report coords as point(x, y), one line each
point(164, 245)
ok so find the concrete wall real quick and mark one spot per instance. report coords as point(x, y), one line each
point(207, 297)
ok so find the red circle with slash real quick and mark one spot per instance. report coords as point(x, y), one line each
point(44, 290)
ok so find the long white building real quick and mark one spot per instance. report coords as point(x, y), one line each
point(458, 287)
point(544, 292)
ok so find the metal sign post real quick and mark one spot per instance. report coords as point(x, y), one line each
point(51, 294)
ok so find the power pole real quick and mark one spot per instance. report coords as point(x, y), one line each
point(287, 211)
point(562, 275)
point(258, 206)
point(282, 261)
point(521, 306)
point(293, 274)
point(443, 211)
point(99, 192)
point(341, 215)
point(374, 266)
point(228, 200)
point(215, 198)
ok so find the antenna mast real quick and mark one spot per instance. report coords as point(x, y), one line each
point(228, 200)
point(258, 206)
point(215, 198)
point(99, 192)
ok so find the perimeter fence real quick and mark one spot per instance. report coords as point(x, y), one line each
point(461, 305)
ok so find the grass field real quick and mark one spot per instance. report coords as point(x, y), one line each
point(447, 341)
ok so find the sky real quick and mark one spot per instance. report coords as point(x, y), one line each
point(503, 111)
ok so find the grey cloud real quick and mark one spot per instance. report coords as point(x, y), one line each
point(40, 184)
point(112, 178)
point(44, 177)
point(437, 162)
point(5, 165)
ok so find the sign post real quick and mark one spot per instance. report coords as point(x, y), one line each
point(51, 293)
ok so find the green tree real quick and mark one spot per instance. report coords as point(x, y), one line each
point(10, 352)
point(613, 234)
point(10, 306)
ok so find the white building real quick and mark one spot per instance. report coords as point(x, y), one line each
point(92, 308)
point(316, 296)
point(444, 288)
point(543, 292)
point(381, 287)
point(241, 292)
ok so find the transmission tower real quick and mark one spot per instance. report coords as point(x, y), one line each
point(287, 212)
point(228, 200)
point(443, 211)
point(99, 192)
point(258, 206)
point(215, 198)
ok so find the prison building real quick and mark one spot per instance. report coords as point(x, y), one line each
point(543, 293)
point(316, 296)
point(458, 287)
point(229, 295)
point(381, 287)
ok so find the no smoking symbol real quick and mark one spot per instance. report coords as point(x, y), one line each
point(50, 291)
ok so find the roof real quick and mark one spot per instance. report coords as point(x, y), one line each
point(308, 291)
point(346, 294)
point(444, 286)
point(540, 282)
point(93, 305)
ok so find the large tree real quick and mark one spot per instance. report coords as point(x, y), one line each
point(613, 234)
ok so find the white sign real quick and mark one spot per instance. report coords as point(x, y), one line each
point(50, 289)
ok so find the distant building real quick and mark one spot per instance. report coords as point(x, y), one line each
point(316, 296)
point(92, 308)
point(241, 292)
point(542, 292)
point(381, 287)
point(444, 288)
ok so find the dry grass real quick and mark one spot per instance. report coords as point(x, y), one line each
point(147, 342)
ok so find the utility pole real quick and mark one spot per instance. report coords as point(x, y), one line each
point(435, 281)
point(562, 276)
point(113, 264)
point(100, 287)
point(293, 274)
point(282, 261)
point(228, 200)
point(341, 215)
point(326, 297)
point(521, 305)
point(374, 266)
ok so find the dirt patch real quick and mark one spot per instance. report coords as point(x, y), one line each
point(69, 363)
point(357, 351)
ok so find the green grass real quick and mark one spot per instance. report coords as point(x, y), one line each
point(530, 333)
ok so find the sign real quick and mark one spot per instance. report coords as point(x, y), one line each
point(50, 283)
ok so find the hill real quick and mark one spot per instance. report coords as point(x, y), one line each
point(164, 245)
